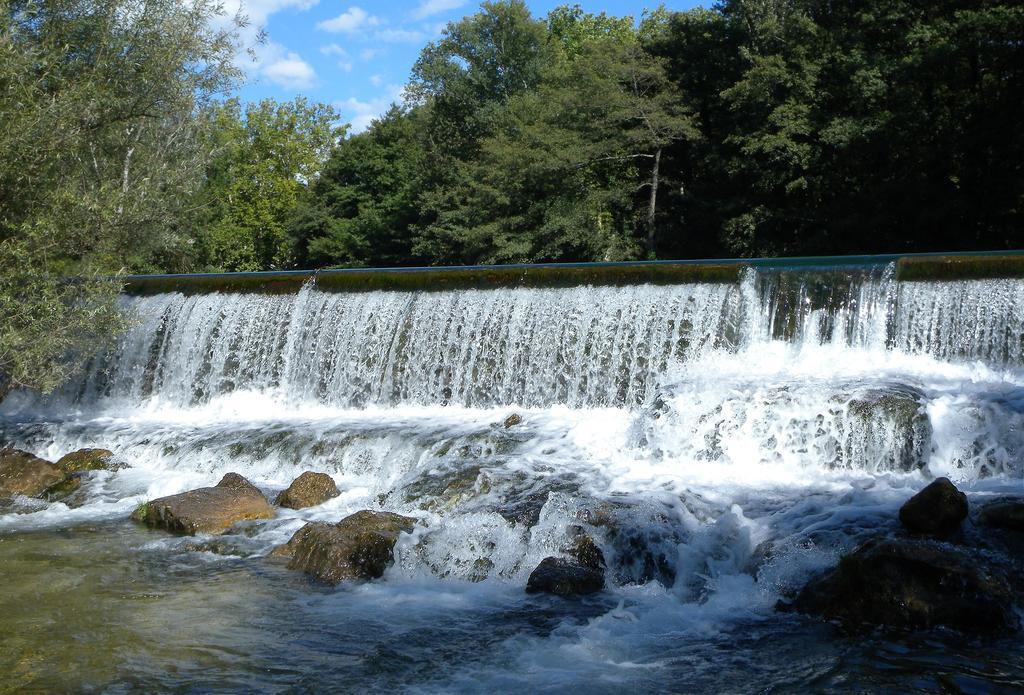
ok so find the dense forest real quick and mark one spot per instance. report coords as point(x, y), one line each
point(756, 127)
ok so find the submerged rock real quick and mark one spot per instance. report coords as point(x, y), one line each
point(308, 490)
point(1003, 514)
point(584, 550)
point(86, 460)
point(207, 509)
point(564, 577)
point(442, 490)
point(63, 489)
point(911, 584)
point(643, 540)
point(894, 412)
point(22, 473)
point(360, 546)
point(938, 509)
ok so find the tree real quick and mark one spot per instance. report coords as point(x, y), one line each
point(100, 163)
point(556, 177)
point(263, 161)
point(361, 209)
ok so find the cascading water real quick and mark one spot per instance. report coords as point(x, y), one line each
point(720, 442)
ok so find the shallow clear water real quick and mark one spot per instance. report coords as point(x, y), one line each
point(721, 443)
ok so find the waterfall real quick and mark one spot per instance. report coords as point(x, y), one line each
point(718, 442)
point(581, 346)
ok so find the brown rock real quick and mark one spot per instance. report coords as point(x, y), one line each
point(937, 510)
point(207, 509)
point(308, 490)
point(1005, 514)
point(22, 473)
point(360, 546)
point(86, 460)
point(513, 420)
point(585, 551)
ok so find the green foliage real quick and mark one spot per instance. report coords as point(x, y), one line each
point(753, 128)
point(263, 161)
point(360, 209)
point(100, 158)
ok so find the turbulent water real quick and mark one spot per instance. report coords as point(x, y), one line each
point(720, 442)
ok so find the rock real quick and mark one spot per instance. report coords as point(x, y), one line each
point(937, 510)
point(643, 541)
point(585, 551)
point(86, 460)
point(207, 509)
point(892, 414)
point(911, 584)
point(308, 490)
point(63, 489)
point(562, 577)
point(513, 420)
point(1004, 514)
point(442, 490)
point(22, 473)
point(360, 546)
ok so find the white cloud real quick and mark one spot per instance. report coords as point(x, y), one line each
point(376, 80)
point(428, 8)
point(361, 113)
point(400, 36)
point(349, 21)
point(257, 11)
point(368, 54)
point(346, 66)
point(333, 49)
point(290, 72)
point(265, 58)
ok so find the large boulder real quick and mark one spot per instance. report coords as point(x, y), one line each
point(308, 490)
point(22, 473)
point(207, 509)
point(86, 460)
point(936, 510)
point(1004, 514)
point(564, 577)
point(360, 546)
point(912, 584)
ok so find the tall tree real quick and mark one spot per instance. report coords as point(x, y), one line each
point(362, 208)
point(264, 158)
point(100, 162)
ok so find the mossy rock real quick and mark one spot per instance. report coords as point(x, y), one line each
point(937, 510)
point(63, 489)
point(1005, 514)
point(86, 460)
point(308, 490)
point(22, 473)
point(359, 547)
point(208, 509)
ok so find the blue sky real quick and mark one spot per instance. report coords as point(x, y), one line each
point(357, 55)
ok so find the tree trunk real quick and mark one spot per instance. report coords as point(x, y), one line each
point(652, 205)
